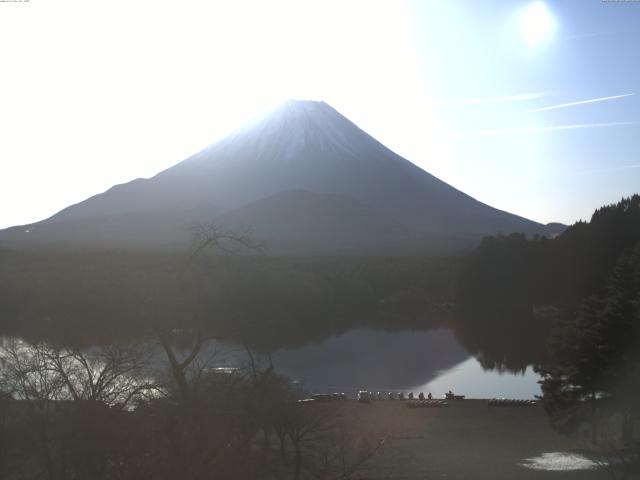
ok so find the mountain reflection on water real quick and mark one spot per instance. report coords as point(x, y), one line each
point(471, 379)
point(429, 360)
point(409, 360)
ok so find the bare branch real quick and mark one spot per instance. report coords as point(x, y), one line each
point(212, 235)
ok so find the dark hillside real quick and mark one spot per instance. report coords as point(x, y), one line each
point(512, 289)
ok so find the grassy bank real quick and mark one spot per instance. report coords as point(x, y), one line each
point(467, 440)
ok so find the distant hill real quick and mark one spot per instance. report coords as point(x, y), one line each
point(299, 222)
point(304, 178)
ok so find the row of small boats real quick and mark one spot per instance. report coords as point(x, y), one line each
point(427, 403)
point(328, 397)
point(510, 402)
point(366, 396)
point(414, 402)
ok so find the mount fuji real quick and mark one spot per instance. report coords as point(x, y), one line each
point(304, 179)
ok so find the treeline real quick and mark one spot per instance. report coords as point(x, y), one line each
point(559, 271)
point(594, 368)
point(512, 289)
point(573, 305)
point(268, 302)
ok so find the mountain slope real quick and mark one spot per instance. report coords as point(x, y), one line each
point(303, 221)
point(300, 146)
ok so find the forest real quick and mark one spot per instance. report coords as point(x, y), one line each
point(266, 301)
point(513, 289)
point(84, 331)
point(577, 297)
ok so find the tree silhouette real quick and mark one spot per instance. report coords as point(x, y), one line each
point(594, 371)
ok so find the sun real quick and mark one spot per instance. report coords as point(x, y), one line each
point(537, 23)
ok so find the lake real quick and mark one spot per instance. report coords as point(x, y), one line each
point(410, 360)
point(378, 360)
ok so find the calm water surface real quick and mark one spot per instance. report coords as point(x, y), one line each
point(408, 360)
point(428, 361)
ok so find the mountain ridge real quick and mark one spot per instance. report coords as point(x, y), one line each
point(300, 146)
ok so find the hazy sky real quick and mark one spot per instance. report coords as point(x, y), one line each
point(529, 106)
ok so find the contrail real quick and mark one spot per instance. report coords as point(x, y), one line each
point(588, 35)
point(510, 131)
point(609, 169)
point(507, 98)
point(582, 102)
point(602, 33)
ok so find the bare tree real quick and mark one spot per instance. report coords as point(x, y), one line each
point(213, 235)
point(340, 456)
point(209, 235)
point(187, 364)
point(71, 402)
point(315, 444)
point(5, 403)
point(114, 375)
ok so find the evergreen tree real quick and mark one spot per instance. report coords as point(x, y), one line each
point(594, 372)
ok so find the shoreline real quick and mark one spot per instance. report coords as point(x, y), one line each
point(468, 439)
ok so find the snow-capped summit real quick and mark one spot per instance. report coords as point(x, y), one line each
point(293, 126)
point(300, 173)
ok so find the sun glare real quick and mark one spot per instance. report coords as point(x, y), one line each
point(536, 24)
